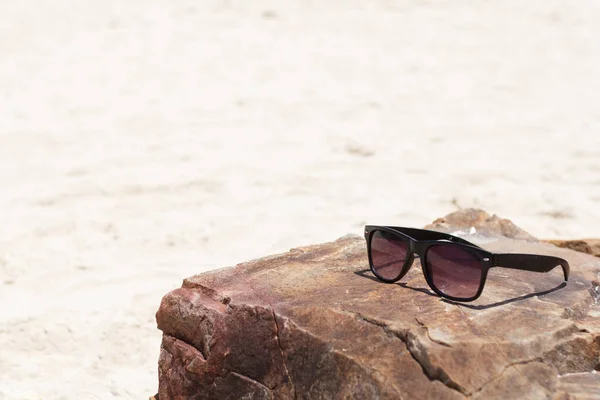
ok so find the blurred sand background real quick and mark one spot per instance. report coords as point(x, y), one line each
point(144, 141)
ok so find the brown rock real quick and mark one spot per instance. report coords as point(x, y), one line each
point(314, 324)
point(578, 386)
point(589, 246)
point(467, 218)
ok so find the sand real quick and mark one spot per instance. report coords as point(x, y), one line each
point(142, 142)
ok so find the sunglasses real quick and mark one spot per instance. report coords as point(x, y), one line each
point(453, 267)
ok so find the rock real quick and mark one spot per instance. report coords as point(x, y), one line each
point(468, 218)
point(315, 324)
point(589, 246)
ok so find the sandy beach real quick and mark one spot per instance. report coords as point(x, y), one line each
point(142, 142)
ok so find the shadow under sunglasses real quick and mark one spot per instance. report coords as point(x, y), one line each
point(366, 273)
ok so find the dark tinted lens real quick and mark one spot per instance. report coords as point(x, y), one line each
point(388, 253)
point(454, 271)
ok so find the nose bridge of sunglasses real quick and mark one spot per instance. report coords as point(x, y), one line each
point(419, 248)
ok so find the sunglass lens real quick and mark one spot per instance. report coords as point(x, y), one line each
point(455, 271)
point(388, 254)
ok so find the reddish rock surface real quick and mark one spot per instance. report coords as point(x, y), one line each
point(589, 246)
point(484, 224)
point(314, 324)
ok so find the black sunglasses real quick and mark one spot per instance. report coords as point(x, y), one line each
point(453, 267)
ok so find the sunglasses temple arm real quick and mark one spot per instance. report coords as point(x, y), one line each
point(531, 262)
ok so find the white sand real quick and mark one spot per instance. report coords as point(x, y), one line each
point(144, 141)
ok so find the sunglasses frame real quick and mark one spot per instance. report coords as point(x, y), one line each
point(421, 240)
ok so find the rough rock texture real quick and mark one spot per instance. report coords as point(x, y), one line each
point(314, 324)
point(489, 225)
point(589, 246)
